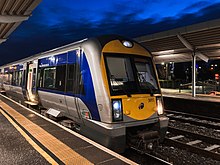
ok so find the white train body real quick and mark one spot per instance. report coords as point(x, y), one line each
point(107, 86)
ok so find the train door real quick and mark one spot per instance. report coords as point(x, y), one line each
point(34, 80)
point(29, 82)
point(72, 85)
point(24, 81)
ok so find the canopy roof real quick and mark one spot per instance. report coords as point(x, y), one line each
point(178, 45)
point(13, 13)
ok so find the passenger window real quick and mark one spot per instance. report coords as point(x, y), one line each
point(52, 78)
point(10, 78)
point(34, 78)
point(13, 78)
point(70, 78)
point(74, 79)
point(49, 77)
point(19, 78)
point(60, 77)
point(23, 80)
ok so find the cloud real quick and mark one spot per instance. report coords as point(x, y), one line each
point(196, 6)
point(35, 35)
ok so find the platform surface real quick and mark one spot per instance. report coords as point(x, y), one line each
point(28, 138)
point(14, 148)
point(174, 93)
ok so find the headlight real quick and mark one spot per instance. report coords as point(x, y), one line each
point(159, 106)
point(117, 112)
point(127, 44)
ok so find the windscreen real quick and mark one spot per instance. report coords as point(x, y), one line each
point(129, 74)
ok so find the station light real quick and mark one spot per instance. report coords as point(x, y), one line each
point(166, 52)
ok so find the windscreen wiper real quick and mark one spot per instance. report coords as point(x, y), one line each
point(149, 87)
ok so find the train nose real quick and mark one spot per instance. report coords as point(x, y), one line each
point(139, 108)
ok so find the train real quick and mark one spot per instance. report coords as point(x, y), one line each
point(107, 86)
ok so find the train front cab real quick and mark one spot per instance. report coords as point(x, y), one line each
point(134, 92)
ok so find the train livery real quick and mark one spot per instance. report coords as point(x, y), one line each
point(107, 86)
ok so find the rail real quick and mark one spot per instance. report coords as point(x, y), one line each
point(192, 145)
point(151, 158)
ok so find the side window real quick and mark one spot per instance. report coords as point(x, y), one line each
point(10, 78)
point(52, 78)
point(49, 77)
point(23, 83)
point(17, 74)
point(13, 78)
point(70, 78)
point(34, 78)
point(19, 78)
point(16, 78)
point(40, 77)
point(60, 77)
point(74, 79)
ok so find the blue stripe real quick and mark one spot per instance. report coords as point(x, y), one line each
point(89, 98)
point(71, 57)
point(14, 68)
point(60, 59)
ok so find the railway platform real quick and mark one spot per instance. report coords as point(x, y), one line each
point(29, 138)
point(202, 104)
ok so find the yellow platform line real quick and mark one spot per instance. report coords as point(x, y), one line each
point(35, 146)
point(59, 149)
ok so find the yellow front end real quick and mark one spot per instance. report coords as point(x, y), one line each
point(138, 107)
point(134, 106)
point(132, 86)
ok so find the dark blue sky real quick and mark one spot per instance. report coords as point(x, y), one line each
point(55, 23)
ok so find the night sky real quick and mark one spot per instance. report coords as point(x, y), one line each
point(55, 23)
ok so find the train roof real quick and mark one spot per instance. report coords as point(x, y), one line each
point(55, 50)
point(102, 40)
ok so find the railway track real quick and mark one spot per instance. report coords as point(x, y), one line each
point(197, 134)
point(199, 144)
point(143, 157)
point(194, 119)
point(198, 124)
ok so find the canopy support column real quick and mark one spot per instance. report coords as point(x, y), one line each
point(194, 74)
